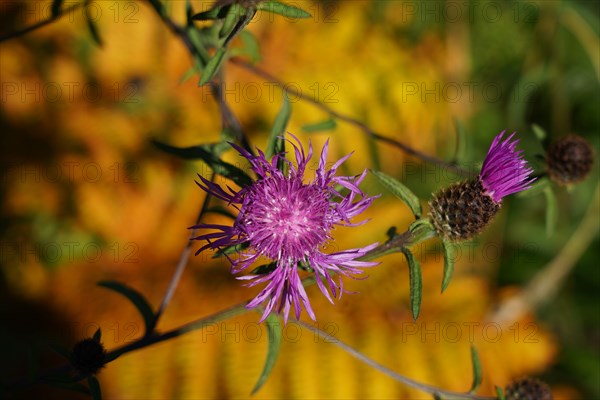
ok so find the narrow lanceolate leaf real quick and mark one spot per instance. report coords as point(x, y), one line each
point(208, 154)
point(240, 25)
point(448, 264)
point(94, 386)
point(213, 13)
point(400, 191)
point(476, 369)
point(251, 46)
point(551, 210)
point(97, 335)
point(212, 67)
point(276, 141)
point(327, 125)
point(539, 132)
point(236, 248)
point(137, 299)
point(288, 11)
point(416, 283)
point(233, 15)
point(274, 330)
point(93, 30)
point(56, 5)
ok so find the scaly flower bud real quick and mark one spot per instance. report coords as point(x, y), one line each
point(88, 356)
point(569, 159)
point(527, 389)
point(464, 209)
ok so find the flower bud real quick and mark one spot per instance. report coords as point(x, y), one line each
point(461, 211)
point(569, 159)
point(88, 356)
point(527, 389)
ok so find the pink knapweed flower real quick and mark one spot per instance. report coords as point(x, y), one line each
point(289, 222)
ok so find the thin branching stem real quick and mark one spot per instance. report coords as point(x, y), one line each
point(183, 260)
point(350, 120)
point(40, 24)
point(394, 375)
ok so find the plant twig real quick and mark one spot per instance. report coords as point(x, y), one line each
point(394, 375)
point(183, 260)
point(348, 119)
point(40, 24)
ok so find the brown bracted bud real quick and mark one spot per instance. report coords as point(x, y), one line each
point(461, 211)
point(569, 159)
point(88, 356)
point(527, 389)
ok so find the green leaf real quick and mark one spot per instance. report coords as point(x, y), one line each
point(94, 31)
point(56, 5)
point(213, 13)
point(136, 298)
point(327, 125)
point(274, 329)
point(97, 335)
point(94, 386)
point(276, 7)
point(236, 248)
point(188, 74)
point(212, 67)
point(239, 25)
point(551, 210)
point(251, 46)
point(500, 393)
point(189, 13)
point(91, 24)
point(416, 283)
point(400, 191)
point(209, 154)
point(233, 15)
point(539, 133)
point(158, 7)
point(276, 142)
point(421, 230)
point(448, 264)
point(476, 370)
point(264, 269)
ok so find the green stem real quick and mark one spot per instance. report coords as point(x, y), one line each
point(394, 375)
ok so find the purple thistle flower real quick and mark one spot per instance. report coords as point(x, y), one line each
point(289, 222)
point(463, 210)
point(504, 170)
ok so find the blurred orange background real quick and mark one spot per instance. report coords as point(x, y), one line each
point(87, 198)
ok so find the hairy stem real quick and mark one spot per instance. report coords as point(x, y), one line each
point(394, 375)
point(348, 119)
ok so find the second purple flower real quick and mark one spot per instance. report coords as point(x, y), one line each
point(288, 222)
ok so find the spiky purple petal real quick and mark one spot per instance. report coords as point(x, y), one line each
point(504, 170)
point(289, 222)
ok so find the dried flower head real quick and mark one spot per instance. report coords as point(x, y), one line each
point(289, 223)
point(461, 211)
point(88, 356)
point(527, 389)
point(569, 159)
